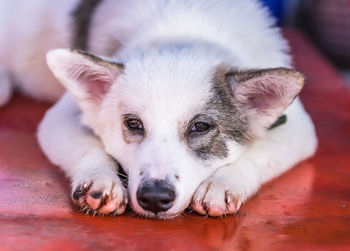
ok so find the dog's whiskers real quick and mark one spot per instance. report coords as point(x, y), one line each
point(122, 175)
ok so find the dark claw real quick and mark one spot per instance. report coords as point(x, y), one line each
point(78, 193)
point(206, 207)
point(96, 195)
point(228, 198)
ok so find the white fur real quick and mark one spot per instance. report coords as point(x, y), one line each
point(28, 29)
point(169, 49)
point(5, 87)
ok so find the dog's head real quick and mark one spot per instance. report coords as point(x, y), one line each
point(171, 119)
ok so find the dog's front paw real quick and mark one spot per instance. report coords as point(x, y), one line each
point(225, 191)
point(213, 198)
point(102, 196)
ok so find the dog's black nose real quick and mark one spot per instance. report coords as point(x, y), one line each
point(155, 195)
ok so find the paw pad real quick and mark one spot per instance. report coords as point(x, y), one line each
point(108, 199)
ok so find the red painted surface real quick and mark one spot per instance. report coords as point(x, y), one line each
point(306, 208)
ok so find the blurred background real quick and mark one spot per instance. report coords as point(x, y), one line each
point(326, 22)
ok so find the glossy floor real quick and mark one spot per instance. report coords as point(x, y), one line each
point(306, 208)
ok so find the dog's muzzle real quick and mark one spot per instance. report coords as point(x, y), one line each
point(155, 195)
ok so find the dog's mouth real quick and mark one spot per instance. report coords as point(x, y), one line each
point(165, 215)
point(160, 216)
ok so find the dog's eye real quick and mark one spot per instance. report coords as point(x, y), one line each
point(134, 124)
point(200, 127)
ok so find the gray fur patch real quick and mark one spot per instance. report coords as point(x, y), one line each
point(226, 120)
point(82, 16)
point(99, 60)
point(254, 73)
point(208, 144)
point(232, 122)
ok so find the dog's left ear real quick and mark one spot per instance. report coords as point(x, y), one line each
point(86, 76)
point(264, 94)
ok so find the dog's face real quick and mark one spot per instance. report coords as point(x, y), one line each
point(171, 119)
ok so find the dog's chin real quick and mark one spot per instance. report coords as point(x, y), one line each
point(159, 216)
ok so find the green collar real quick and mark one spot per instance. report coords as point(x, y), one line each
point(280, 121)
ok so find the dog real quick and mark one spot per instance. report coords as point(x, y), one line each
point(196, 100)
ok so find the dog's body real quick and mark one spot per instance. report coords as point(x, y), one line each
point(177, 102)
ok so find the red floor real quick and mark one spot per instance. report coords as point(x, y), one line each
point(307, 208)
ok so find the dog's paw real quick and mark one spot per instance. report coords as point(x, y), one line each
point(227, 189)
point(213, 199)
point(103, 196)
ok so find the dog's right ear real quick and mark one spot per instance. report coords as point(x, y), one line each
point(86, 76)
point(264, 94)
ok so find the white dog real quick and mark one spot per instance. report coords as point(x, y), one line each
point(184, 95)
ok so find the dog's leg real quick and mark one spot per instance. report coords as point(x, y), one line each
point(6, 87)
point(233, 184)
point(96, 186)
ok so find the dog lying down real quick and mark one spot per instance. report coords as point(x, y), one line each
point(185, 95)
